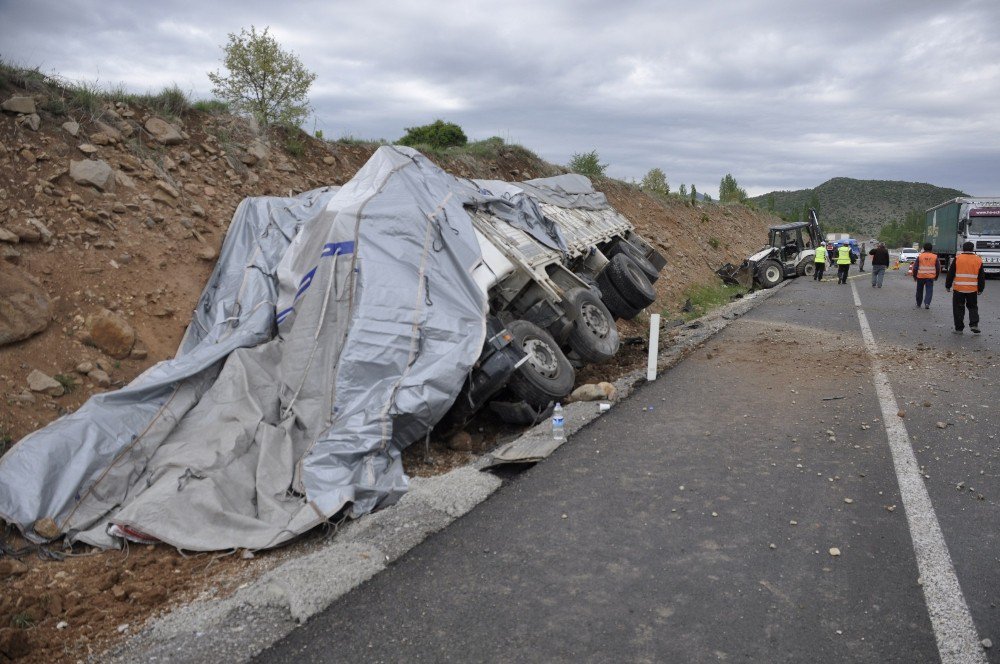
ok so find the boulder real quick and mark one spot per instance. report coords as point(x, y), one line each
point(94, 172)
point(110, 333)
point(460, 442)
point(45, 384)
point(100, 377)
point(163, 131)
point(259, 151)
point(24, 307)
point(7, 236)
point(11, 567)
point(18, 104)
point(34, 121)
point(72, 127)
point(593, 392)
point(14, 642)
point(47, 528)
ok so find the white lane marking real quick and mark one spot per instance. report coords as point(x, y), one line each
point(954, 630)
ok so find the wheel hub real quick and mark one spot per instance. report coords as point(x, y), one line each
point(540, 357)
point(595, 320)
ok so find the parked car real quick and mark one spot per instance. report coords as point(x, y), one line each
point(908, 255)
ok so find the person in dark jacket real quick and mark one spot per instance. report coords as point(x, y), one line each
point(968, 277)
point(880, 263)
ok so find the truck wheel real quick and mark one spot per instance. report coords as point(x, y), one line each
point(615, 303)
point(594, 336)
point(808, 269)
point(626, 278)
point(770, 274)
point(635, 253)
point(547, 375)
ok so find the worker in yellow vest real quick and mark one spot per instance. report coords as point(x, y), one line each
point(843, 262)
point(820, 262)
point(967, 276)
point(925, 272)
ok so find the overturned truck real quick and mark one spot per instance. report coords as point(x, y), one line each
point(338, 327)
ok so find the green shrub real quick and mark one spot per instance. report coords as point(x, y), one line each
point(714, 243)
point(211, 106)
point(85, 97)
point(294, 144)
point(439, 134)
point(655, 181)
point(171, 101)
point(54, 106)
point(587, 163)
point(67, 381)
point(489, 147)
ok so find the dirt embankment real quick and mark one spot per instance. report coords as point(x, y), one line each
point(121, 246)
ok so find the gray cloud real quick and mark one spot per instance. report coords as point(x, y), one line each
point(780, 93)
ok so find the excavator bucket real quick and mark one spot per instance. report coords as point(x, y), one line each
point(736, 276)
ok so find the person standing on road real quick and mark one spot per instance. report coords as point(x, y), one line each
point(925, 272)
point(820, 262)
point(880, 263)
point(861, 257)
point(843, 263)
point(968, 277)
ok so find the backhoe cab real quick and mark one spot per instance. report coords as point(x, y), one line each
point(790, 252)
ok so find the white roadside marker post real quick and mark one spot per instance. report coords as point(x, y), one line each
point(654, 346)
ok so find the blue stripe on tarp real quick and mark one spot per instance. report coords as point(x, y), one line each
point(282, 315)
point(334, 248)
point(304, 283)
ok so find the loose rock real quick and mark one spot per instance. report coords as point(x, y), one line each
point(47, 528)
point(834, 551)
point(163, 131)
point(93, 172)
point(19, 104)
point(111, 333)
point(39, 382)
point(25, 309)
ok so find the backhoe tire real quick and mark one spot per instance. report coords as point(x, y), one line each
point(594, 336)
point(770, 274)
point(635, 253)
point(547, 375)
point(808, 269)
point(627, 278)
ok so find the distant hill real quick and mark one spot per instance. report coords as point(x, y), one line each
point(862, 206)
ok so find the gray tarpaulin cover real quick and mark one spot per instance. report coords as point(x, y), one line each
point(336, 328)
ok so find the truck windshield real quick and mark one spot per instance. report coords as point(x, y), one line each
point(984, 226)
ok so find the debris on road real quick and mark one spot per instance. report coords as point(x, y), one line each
point(834, 551)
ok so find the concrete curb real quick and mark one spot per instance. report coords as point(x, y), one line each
point(238, 627)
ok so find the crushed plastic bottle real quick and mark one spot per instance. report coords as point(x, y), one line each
point(558, 423)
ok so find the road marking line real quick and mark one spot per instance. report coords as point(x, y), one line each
point(954, 630)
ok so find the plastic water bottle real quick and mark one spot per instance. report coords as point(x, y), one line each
point(558, 423)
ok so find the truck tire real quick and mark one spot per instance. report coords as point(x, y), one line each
point(635, 253)
point(547, 375)
point(594, 336)
point(628, 279)
point(615, 303)
point(770, 274)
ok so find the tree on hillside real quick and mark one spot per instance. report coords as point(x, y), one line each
point(655, 181)
point(694, 194)
point(730, 191)
point(438, 134)
point(587, 163)
point(264, 81)
point(683, 191)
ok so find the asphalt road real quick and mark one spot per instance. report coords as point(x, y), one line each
point(700, 520)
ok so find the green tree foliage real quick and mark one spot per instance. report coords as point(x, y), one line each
point(655, 181)
point(587, 163)
point(770, 202)
point(264, 81)
point(904, 233)
point(683, 191)
point(438, 134)
point(694, 194)
point(730, 191)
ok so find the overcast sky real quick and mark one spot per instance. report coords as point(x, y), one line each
point(782, 94)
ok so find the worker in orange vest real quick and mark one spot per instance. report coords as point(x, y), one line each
point(925, 273)
point(967, 276)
